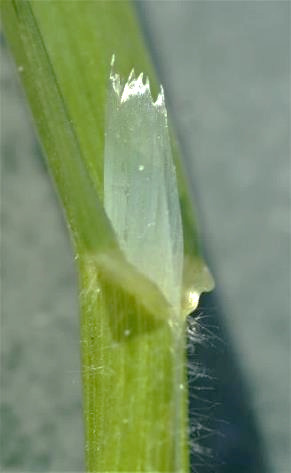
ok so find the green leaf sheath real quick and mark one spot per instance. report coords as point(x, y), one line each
point(134, 387)
point(135, 392)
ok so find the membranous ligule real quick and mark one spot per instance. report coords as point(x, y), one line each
point(140, 192)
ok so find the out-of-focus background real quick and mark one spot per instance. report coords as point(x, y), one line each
point(225, 69)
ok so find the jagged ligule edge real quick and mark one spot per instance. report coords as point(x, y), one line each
point(136, 86)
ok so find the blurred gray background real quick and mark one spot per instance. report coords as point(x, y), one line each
point(225, 68)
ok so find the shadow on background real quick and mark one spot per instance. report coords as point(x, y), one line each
point(224, 437)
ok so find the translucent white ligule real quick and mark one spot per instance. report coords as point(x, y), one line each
point(140, 189)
